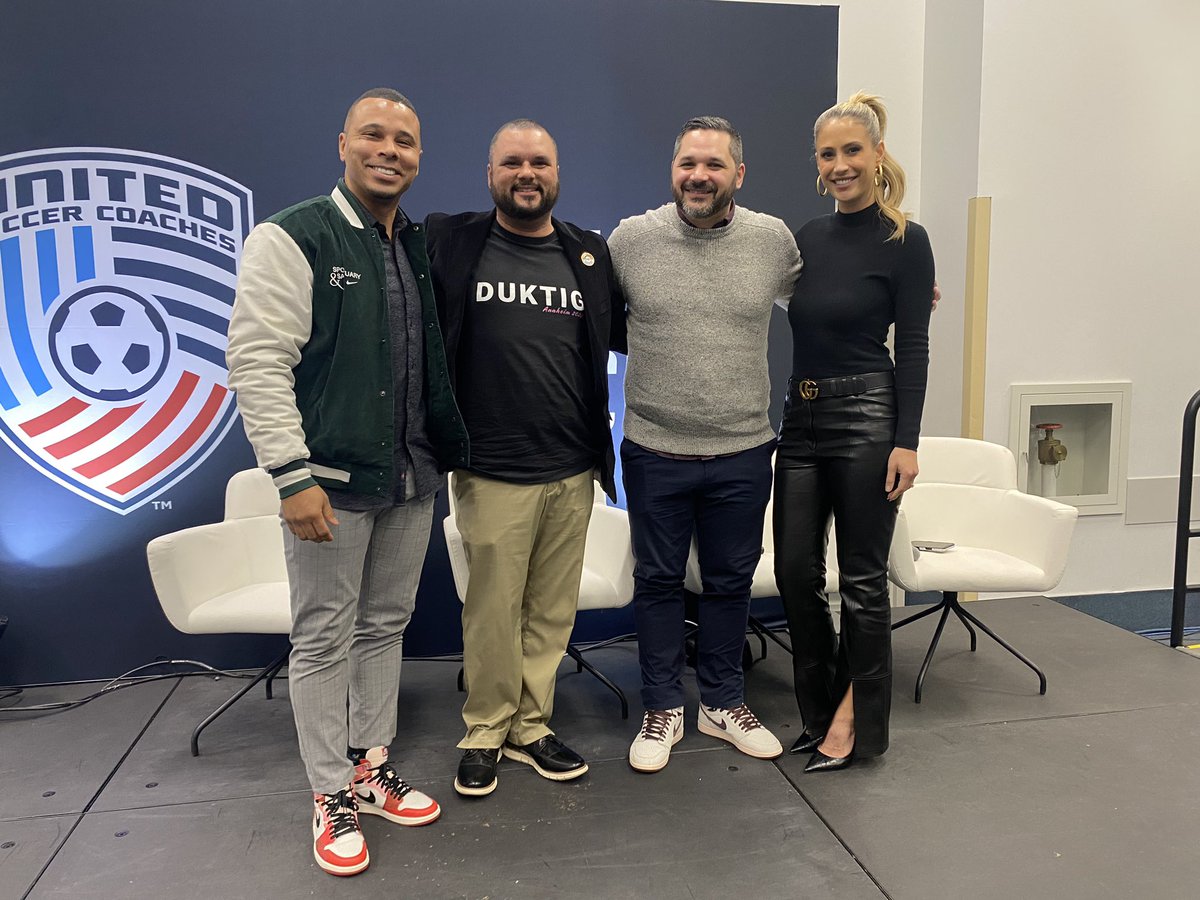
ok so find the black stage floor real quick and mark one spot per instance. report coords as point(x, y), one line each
point(989, 790)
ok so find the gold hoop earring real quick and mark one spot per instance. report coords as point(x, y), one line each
point(878, 175)
point(821, 189)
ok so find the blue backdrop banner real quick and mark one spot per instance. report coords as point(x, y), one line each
point(142, 139)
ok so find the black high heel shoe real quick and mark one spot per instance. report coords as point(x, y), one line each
point(807, 742)
point(822, 763)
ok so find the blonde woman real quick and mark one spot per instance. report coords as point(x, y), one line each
point(848, 442)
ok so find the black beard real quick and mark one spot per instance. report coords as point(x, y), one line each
point(506, 204)
point(719, 202)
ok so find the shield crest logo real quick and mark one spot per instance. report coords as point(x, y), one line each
point(117, 278)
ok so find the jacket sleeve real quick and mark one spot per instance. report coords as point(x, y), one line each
point(271, 323)
point(434, 234)
point(618, 337)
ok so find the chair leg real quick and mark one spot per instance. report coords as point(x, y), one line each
point(937, 636)
point(279, 664)
point(922, 614)
point(1005, 644)
point(958, 611)
point(268, 672)
point(763, 632)
point(582, 663)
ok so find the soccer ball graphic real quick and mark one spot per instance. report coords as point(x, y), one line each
point(109, 343)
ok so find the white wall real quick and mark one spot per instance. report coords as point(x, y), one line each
point(1089, 126)
point(950, 165)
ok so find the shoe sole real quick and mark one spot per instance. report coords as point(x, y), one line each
point(713, 731)
point(342, 871)
point(522, 757)
point(335, 869)
point(475, 792)
point(368, 810)
point(678, 736)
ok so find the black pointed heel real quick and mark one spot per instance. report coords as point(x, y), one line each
point(807, 742)
point(822, 763)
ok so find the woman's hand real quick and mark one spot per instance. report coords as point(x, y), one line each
point(901, 472)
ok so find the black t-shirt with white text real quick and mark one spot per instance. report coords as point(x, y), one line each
point(524, 376)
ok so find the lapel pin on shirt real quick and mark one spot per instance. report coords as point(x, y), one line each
point(587, 259)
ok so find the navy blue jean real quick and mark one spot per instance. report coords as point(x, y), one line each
point(723, 502)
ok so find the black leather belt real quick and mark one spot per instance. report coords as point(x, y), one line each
point(844, 386)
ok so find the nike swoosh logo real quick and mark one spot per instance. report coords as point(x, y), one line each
point(368, 797)
point(721, 724)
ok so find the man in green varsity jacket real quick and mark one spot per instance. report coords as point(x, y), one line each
point(341, 379)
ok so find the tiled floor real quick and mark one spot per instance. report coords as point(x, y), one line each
point(989, 790)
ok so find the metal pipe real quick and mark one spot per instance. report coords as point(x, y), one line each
point(1183, 525)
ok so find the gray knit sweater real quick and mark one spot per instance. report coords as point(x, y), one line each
point(699, 306)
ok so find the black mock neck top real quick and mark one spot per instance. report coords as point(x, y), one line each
point(855, 285)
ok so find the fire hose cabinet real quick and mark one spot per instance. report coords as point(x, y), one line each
point(1071, 442)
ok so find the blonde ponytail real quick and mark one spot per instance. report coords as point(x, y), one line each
point(869, 111)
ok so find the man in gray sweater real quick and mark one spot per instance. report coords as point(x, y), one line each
point(700, 276)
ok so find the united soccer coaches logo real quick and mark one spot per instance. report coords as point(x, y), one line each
point(117, 275)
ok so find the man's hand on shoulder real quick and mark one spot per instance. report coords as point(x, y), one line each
point(309, 515)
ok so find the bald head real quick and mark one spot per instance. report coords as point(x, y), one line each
point(520, 125)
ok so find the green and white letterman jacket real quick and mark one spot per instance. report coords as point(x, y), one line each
point(309, 350)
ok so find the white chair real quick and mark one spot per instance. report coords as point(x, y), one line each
point(764, 584)
point(1004, 540)
point(228, 577)
point(606, 582)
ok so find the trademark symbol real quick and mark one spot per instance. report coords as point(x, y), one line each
point(161, 504)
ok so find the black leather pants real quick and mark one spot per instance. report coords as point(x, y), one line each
point(832, 458)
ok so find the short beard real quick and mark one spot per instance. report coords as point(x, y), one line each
point(506, 204)
point(719, 203)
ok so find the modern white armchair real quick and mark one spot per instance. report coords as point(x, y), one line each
point(606, 582)
point(1004, 540)
point(228, 577)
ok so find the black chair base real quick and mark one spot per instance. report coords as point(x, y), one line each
point(580, 664)
point(268, 674)
point(950, 604)
point(763, 632)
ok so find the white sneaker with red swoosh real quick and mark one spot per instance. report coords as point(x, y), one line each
point(741, 728)
point(381, 791)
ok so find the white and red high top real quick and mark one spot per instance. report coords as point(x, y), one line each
point(380, 791)
point(338, 844)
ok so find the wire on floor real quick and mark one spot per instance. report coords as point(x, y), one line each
point(120, 682)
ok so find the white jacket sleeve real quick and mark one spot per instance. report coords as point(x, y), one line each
point(271, 323)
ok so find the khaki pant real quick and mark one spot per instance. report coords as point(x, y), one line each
point(524, 544)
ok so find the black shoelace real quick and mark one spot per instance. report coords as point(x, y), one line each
point(341, 812)
point(390, 780)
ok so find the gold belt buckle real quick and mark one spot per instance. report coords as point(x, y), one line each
point(808, 389)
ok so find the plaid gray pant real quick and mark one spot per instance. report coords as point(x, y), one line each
point(351, 600)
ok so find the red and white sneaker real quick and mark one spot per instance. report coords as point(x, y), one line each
point(338, 844)
point(380, 791)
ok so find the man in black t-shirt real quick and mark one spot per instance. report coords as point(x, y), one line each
point(526, 303)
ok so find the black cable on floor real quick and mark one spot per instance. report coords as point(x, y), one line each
point(119, 683)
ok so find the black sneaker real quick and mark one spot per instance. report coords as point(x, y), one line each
point(550, 758)
point(477, 772)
